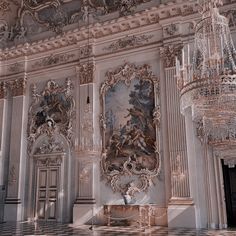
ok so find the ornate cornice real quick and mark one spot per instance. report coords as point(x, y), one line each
point(158, 14)
point(85, 72)
point(169, 53)
point(99, 30)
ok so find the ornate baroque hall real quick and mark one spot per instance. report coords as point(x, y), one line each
point(118, 117)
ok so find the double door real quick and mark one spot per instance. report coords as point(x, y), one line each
point(48, 183)
point(230, 194)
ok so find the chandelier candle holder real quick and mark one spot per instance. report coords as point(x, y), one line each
point(208, 84)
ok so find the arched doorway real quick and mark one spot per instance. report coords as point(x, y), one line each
point(50, 178)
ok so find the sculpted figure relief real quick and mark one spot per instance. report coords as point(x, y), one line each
point(52, 111)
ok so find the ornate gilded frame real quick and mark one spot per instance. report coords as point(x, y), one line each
point(130, 179)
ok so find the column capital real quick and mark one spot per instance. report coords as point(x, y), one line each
point(85, 72)
point(3, 90)
point(169, 52)
point(18, 86)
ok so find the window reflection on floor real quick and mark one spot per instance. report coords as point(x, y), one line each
point(50, 228)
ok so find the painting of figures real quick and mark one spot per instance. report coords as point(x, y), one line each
point(130, 132)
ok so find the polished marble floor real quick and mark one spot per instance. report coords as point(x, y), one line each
point(43, 229)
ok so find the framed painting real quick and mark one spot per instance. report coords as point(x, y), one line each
point(130, 122)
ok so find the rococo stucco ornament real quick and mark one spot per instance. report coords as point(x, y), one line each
point(169, 53)
point(128, 42)
point(130, 124)
point(51, 112)
point(17, 86)
point(85, 72)
point(32, 16)
point(49, 146)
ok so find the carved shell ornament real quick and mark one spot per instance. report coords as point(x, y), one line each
point(130, 128)
point(52, 111)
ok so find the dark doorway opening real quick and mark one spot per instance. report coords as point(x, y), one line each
point(230, 193)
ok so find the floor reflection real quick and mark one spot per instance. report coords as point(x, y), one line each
point(47, 228)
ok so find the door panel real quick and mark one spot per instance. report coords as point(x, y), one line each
point(41, 209)
point(232, 174)
point(230, 193)
point(47, 193)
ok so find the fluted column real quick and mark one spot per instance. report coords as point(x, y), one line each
point(3, 114)
point(87, 153)
point(176, 129)
point(14, 203)
point(177, 140)
point(180, 204)
point(3, 146)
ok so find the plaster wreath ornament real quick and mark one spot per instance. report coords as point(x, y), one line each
point(128, 42)
point(130, 156)
point(4, 6)
point(51, 112)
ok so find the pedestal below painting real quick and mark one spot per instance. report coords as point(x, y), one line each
point(143, 215)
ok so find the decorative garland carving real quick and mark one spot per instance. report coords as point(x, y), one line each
point(53, 60)
point(170, 30)
point(16, 67)
point(49, 161)
point(51, 145)
point(4, 6)
point(128, 42)
point(157, 116)
point(51, 111)
point(12, 175)
point(169, 52)
point(86, 72)
point(130, 156)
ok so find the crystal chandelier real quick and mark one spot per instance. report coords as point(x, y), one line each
point(208, 84)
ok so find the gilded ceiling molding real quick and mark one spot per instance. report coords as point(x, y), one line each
point(169, 52)
point(130, 128)
point(17, 86)
point(128, 42)
point(85, 72)
point(100, 29)
point(72, 37)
